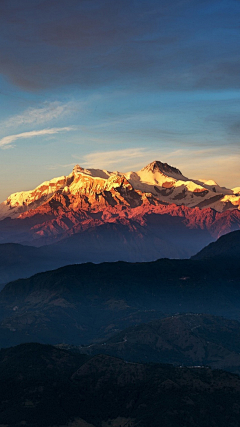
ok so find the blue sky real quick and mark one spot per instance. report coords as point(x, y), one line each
point(117, 84)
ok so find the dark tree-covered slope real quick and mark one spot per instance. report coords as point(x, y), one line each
point(227, 246)
point(80, 304)
point(184, 339)
point(44, 386)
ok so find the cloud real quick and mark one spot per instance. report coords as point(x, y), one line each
point(111, 159)
point(7, 140)
point(168, 45)
point(210, 163)
point(58, 166)
point(47, 112)
point(206, 163)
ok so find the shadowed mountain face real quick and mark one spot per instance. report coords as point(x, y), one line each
point(137, 216)
point(227, 246)
point(55, 387)
point(187, 339)
point(83, 303)
point(19, 261)
point(128, 240)
point(157, 237)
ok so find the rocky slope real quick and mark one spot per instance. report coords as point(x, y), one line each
point(163, 182)
point(158, 201)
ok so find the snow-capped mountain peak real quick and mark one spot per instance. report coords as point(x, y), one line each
point(162, 182)
point(157, 173)
point(19, 202)
point(163, 168)
point(236, 191)
point(95, 173)
point(77, 169)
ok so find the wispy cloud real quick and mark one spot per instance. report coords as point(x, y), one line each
point(45, 113)
point(109, 159)
point(58, 166)
point(208, 163)
point(7, 140)
point(194, 163)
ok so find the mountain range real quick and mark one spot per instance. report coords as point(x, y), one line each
point(94, 188)
point(80, 304)
point(97, 215)
point(150, 314)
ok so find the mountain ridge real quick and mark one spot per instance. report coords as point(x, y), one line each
point(90, 302)
point(156, 176)
point(156, 204)
point(227, 246)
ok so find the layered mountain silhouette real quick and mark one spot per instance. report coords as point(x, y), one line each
point(138, 311)
point(97, 215)
point(84, 303)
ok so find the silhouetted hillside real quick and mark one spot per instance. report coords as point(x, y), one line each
point(227, 246)
point(81, 304)
point(186, 339)
point(44, 386)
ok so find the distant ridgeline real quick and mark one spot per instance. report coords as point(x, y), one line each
point(135, 343)
point(82, 304)
point(96, 215)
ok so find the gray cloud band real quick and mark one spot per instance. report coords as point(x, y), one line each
point(168, 45)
